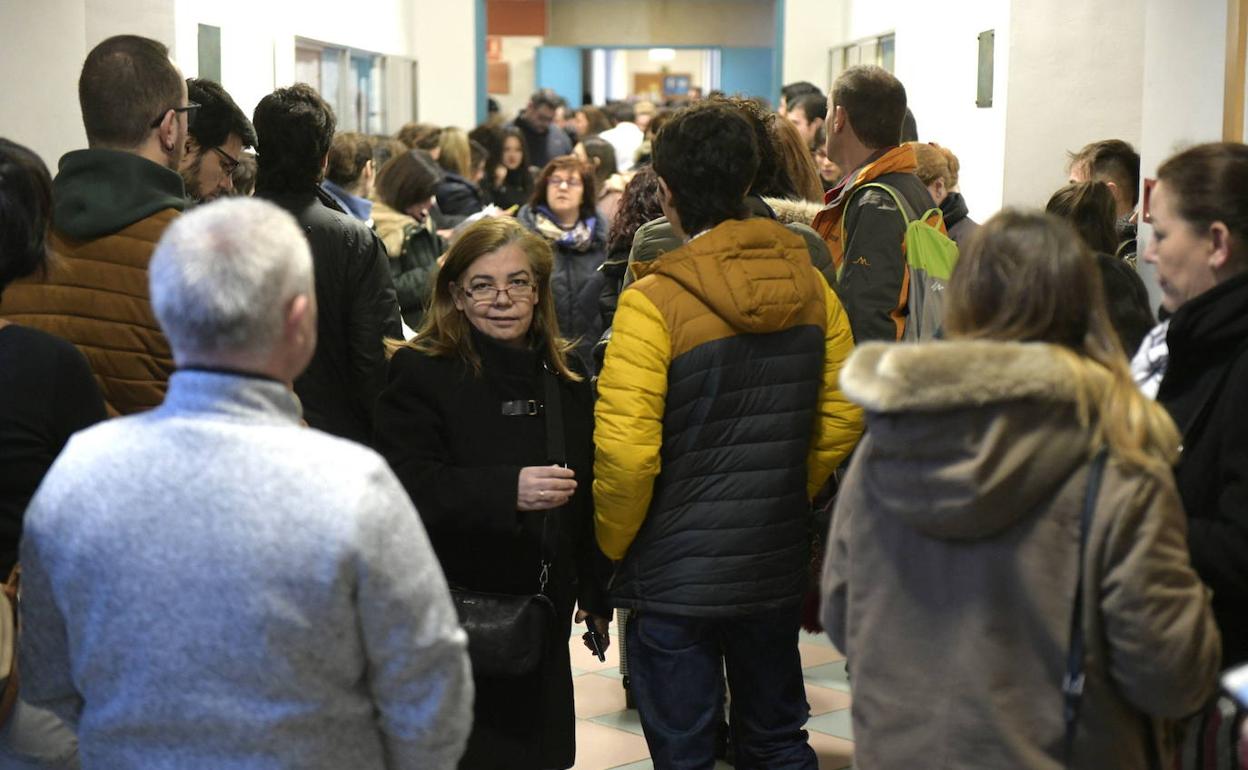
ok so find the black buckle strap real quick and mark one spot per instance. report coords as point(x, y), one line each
point(522, 408)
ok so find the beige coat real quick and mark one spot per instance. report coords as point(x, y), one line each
point(951, 570)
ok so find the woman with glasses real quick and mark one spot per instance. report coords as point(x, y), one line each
point(562, 211)
point(462, 422)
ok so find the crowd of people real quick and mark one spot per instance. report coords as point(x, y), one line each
point(290, 417)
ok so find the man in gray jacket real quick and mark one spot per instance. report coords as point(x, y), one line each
point(212, 585)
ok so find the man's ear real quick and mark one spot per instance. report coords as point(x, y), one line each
point(840, 119)
point(296, 314)
point(168, 131)
point(666, 192)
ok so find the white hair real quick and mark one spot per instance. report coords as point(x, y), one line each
point(223, 275)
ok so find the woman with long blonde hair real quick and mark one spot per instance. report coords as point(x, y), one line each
point(463, 423)
point(458, 196)
point(973, 555)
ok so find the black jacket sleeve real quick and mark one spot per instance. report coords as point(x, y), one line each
point(873, 284)
point(1218, 538)
point(373, 314)
point(413, 432)
point(414, 268)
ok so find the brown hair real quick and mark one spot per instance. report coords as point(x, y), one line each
point(1027, 277)
point(1209, 183)
point(1110, 159)
point(875, 102)
point(795, 163)
point(407, 178)
point(447, 332)
point(127, 82)
point(935, 162)
point(348, 154)
point(596, 118)
point(420, 136)
point(1090, 208)
point(589, 189)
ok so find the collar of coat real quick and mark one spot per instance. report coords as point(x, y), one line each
point(934, 376)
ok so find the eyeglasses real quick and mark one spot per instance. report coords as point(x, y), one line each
point(486, 294)
point(558, 181)
point(189, 109)
point(228, 163)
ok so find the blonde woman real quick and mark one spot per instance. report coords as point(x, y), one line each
point(951, 572)
point(455, 424)
point(458, 197)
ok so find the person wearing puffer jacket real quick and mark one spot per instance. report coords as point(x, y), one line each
point(719, 417)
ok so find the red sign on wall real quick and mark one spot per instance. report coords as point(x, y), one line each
point(493, 48)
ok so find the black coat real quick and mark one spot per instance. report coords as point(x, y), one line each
point(457, 197)
point(1204, 390)
point(356, 307)
point(442, 429)
point(578, 284)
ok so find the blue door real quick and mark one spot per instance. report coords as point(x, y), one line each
point(747, 72)
point(559, 69)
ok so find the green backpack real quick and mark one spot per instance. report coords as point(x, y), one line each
point(930, 257)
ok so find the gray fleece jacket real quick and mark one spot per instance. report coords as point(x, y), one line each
point(210, 585)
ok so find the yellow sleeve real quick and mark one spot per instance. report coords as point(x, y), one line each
point(838, 421)
point(628, 421)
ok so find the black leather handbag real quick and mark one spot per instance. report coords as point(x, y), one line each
point(508, 633)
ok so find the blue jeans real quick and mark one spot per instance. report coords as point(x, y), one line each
point(675, 666)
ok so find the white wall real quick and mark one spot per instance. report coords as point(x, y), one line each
point(258, 46)
point(938, 62)
point(1183, 88)
point(1076, 76)
point(937, 57)
point(811, 27)
point(520, 51)
point(42, 45)
point(446, 46)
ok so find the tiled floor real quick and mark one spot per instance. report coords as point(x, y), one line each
point(609, 736)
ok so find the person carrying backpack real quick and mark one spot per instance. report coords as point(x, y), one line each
point(878, 222)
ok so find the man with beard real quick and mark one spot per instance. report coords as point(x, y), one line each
point(215, 143)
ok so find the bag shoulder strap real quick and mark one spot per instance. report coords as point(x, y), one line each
point(556, 454)
point(1072, 684)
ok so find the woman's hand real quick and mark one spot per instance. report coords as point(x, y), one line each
point(601, 625)
point(543, 487)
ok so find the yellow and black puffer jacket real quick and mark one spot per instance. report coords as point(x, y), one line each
point(719, 416)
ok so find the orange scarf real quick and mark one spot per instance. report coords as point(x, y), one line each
point(828, 223)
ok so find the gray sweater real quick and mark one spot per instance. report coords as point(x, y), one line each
point(210, 585)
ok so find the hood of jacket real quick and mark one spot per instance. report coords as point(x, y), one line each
point(390, 226)
point(753, 273)
point(967, 437)
point(793, 212)
point(99, 192)
point(953, 209)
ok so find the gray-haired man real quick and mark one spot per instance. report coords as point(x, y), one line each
point(210, 585)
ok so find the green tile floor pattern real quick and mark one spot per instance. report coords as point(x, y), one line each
point(827, 690)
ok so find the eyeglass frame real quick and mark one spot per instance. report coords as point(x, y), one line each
point(189, 109)
point(529, 286)
point(575, 181)
point(229, 164)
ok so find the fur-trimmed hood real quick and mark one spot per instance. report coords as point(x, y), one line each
point(965, 437)
point(791, 212)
